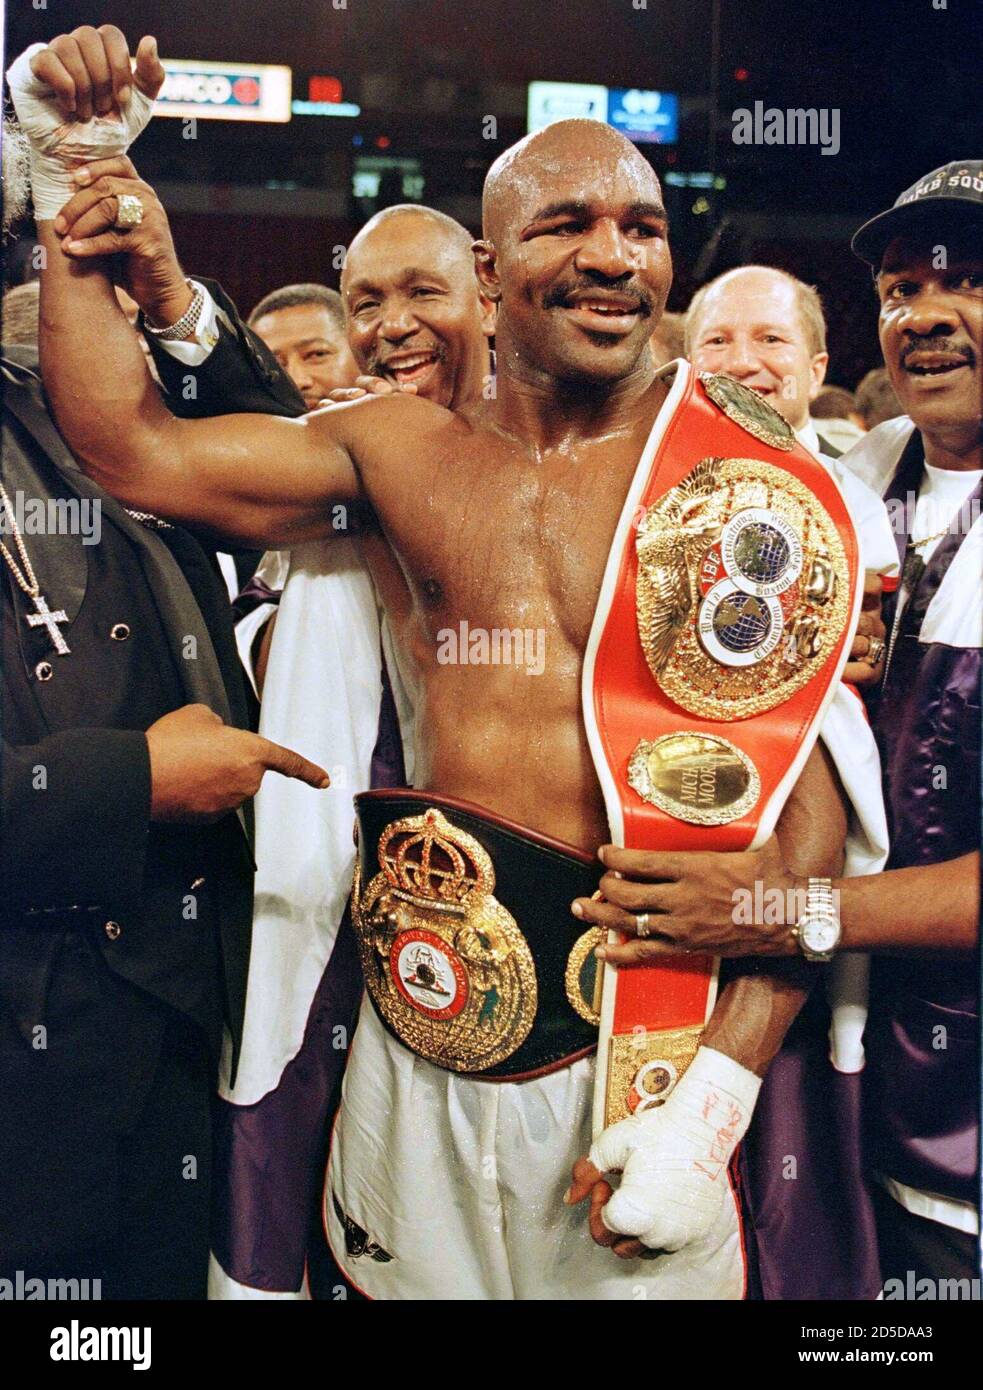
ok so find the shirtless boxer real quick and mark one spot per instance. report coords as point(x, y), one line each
point(502, 516)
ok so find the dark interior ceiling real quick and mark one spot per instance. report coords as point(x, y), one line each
point(852, 52)
point(904, 76)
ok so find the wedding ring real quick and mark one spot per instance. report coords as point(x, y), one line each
point(875, 651)
point(642, 923)
point(129, 212)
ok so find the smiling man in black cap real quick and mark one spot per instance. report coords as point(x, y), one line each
point(921, 1039)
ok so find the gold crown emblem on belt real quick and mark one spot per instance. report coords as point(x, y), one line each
point(422, 879)
point(445, 963)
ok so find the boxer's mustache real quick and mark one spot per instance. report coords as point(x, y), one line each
point(561, 294)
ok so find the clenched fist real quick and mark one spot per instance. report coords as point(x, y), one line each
point(860, 670)
point(201, 768)
point(673, 1161)
point(79, 99)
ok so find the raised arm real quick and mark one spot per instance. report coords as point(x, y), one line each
point(251, 479)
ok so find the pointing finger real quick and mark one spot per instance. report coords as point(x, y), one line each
point(292, 764)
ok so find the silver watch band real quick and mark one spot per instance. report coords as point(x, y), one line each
point(186, 325)
point(820, 904)
point(819, 896)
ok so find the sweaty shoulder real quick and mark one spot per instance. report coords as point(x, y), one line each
point(375, 429)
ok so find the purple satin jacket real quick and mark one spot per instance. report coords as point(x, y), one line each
point(922, 1082)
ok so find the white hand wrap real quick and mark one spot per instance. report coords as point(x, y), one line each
point(674, 1159)
point(59, 146)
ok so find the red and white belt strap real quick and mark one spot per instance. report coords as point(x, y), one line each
point(721, 631)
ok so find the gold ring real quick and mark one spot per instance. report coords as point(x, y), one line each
point(129, 212)
point(875, 651)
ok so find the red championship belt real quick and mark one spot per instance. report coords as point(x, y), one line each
point(720, 634)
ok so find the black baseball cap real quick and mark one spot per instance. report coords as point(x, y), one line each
point(955, 189)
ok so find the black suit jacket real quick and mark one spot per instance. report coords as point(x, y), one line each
point(108, 923)
point(240, 376)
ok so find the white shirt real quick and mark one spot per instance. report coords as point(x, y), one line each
point(878, 553)
point(955, 613)
point(193, 351)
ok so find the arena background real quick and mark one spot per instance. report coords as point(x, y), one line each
point(257, 205)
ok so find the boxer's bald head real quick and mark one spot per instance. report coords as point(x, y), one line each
point(414, 308)
point(584, 152)
point(575, 251)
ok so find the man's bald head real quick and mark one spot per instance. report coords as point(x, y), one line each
point(450, 233)
point(575, 251)
point(765, 328)
point(763, 280)
point(530, 167)
point(413, 306)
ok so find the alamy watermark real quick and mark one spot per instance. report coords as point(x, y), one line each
point(497, 646)
point(78, 1343)
point(25, 1289)
point(53, 516)
point(771, 907)
point(792, 126)
point(914, 1289)
point(901, 514)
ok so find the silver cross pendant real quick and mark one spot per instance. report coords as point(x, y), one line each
point(45, 618)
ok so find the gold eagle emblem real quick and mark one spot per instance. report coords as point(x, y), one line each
point(672, 540)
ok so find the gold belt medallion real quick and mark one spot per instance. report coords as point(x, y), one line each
point(748, 410)
point(696, 777)
point(445, 963)
point(743, 588)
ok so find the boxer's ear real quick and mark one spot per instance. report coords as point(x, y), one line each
point(486, 269)
point(489, 313)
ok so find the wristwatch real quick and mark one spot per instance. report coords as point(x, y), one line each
point(818, 929)
point(186, 325)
